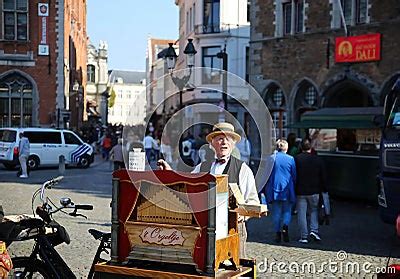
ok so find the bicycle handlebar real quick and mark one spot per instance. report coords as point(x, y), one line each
point(84, 206)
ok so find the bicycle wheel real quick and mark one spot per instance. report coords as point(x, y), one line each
point(25, 267)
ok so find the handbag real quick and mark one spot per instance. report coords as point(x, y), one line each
point(324, 209)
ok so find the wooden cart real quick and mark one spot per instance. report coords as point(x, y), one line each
point(167, 224)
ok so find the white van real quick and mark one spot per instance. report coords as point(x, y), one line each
point(46, 147)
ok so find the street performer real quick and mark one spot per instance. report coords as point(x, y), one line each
point(223, 139)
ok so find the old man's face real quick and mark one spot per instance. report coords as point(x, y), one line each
point(223, 145)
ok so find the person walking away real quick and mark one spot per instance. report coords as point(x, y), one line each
point(149, 143)
point(311, 181)
point(244, 147)
point(223, 139)
point(116, 154)
point(24, 151)
point(293, 148)
point(279, 190)
point(106, 147)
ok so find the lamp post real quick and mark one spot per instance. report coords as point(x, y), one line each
point(170, 58)
point(224, 56)
point(75, 89)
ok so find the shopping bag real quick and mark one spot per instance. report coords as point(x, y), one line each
point(324, 209)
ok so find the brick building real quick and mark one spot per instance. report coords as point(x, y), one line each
point(293, 62)
point(42, 57)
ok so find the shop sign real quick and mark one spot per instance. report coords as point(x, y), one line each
point(364, 48)
point(162, 236)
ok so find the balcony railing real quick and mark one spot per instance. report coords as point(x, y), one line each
point(212, 28)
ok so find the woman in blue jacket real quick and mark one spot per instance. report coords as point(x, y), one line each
point(279, 190)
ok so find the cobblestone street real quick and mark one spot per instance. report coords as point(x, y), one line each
point(355, 229)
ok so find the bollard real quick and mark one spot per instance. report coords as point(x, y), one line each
point(61, 165)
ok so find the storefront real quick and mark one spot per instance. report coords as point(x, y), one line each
point(348, 141)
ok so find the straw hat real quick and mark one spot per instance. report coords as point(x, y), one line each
point(223, 128)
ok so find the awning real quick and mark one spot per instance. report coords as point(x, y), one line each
point(332, 118)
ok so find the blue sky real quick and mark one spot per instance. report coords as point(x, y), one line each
point(126, 25)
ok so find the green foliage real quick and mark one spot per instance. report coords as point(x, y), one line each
point(111, 100)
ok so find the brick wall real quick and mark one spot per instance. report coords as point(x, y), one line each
point(290, 59)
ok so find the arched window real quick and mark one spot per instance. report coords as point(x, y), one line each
point(15, 101)
point(91, 74)
point(276, 102)
point(306, 99)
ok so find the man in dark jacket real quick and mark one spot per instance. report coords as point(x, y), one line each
point(311, 179)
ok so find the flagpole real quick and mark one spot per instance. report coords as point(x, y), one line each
point(342, 16)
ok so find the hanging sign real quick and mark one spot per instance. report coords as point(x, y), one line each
point(364, 48)
point(43, 13)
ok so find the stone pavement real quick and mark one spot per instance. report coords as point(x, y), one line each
point(356, 231)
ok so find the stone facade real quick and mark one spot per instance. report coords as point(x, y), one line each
point(290, 62)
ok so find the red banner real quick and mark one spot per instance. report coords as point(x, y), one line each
point(363, 48)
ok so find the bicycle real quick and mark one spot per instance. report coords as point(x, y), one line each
point(44, 261)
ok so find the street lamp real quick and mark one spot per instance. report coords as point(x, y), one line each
point(75, 89)
point(224, 56)
point(170, 58)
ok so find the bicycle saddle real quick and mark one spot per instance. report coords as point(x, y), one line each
point(99, 235)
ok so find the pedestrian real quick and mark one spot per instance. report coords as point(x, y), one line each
point(149, 144)
point(244, 147)
point(279, 190)
point(311, 182)
point(223, 139)
point(117, 155)
point(106, 146)
point(24, 151)
point(293, 147)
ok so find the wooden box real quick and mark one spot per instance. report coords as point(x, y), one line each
point(165, 220)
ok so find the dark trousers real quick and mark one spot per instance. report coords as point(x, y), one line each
point(118, 165)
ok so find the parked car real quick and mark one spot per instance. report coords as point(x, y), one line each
point(46, 147)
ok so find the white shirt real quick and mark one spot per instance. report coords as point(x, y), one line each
point(247, 183)
point(148, 142)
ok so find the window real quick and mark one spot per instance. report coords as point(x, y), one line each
point(247, 64)
point(354, 12)
point(8, 135)
point(211, 16)
point(299, 16)
point(287, 18)
point(70, 138)
point(15, 102)
point(15, 20)
point(292, 15)
point(91, 74)
point(211, 75)
point(194, 16)
point(361, 11)
point(43, 137)
point(310, 96)
point(347, 7)
point(248, 10)
point(279, 120)
point(275, 100)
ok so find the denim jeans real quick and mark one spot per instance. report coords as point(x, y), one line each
point(281, 214)
point(310, 203)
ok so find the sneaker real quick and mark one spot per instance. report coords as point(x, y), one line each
point(285, 233)
point(303, 240)
point(315, 236)
point(278, 237)
point(23, 176)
